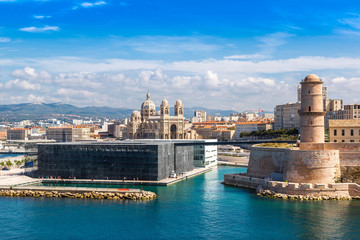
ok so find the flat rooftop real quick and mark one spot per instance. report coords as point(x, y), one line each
point(133, 142)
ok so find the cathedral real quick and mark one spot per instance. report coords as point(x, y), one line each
point(149, 124)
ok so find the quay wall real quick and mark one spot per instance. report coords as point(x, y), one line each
point(291, 188)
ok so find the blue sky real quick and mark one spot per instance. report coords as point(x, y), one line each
point(217, 54)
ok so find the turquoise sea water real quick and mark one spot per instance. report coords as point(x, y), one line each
point(9, 155)
point(198, 208)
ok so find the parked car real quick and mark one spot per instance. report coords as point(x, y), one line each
point(5, 169)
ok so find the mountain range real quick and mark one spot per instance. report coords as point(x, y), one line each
point(37, 111)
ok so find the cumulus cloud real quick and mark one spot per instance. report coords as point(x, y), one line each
point(211, 79)
point(30, 73)
point(93, 4)
point(33, 98)
point(21, 84)
point(40, 29)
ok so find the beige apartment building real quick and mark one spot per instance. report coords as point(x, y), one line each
point(287, 116)
point(68, 134)
point(352, 111)
point(345, 130)
point(17, 134)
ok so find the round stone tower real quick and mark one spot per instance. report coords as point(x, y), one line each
point(312, 110)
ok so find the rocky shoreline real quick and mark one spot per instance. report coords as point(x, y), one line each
point(272, 194)
point(144, 195)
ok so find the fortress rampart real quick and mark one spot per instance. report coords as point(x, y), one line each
point(310, 166)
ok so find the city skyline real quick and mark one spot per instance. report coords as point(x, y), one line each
point(217, 55)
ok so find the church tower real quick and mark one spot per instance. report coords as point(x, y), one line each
point(164, 108)
point(312, 110)
point(179, 108)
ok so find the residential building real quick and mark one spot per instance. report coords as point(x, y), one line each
point(250, 127)
point(17, 134)
point(352, 111)
point(68, 134)
point(213, 129)
point(345, 130)
point(3, 133)
point(287, 116)
point(199, 116)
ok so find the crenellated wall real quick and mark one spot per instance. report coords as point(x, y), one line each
point(305, 189)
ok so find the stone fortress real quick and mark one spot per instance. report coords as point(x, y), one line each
point(148, 124)
point(315, 167)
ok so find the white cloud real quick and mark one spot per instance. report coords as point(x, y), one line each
point(30, 73)
point(40, 29)
point(41, 16)
point(211, 79)
point(94, 4)
point(246, 56)
point(33, 98)
point(4, 39)
point(210, 83)
point(21, 84)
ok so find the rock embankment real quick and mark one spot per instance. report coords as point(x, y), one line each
point(144, 195)
point(269, 193)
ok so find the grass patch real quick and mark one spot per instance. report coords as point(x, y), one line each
point(276, 145)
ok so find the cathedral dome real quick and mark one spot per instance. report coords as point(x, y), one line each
point(311, 78)
point(135, 114)
point(148, 104)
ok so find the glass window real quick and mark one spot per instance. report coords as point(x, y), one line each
point(352, 132)
point(335, 132)
point(343, 132)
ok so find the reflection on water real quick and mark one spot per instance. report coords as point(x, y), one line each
point(198, 208)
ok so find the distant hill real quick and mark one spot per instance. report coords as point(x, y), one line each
point(36, 111)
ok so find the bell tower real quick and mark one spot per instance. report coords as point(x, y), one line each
point(312, 110)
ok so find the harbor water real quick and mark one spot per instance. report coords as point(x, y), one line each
point(197, 208)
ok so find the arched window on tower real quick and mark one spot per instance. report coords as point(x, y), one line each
point(309, 108)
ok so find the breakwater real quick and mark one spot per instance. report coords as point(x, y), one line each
point(140, 195)
point(268, 193)
point(286, 190)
